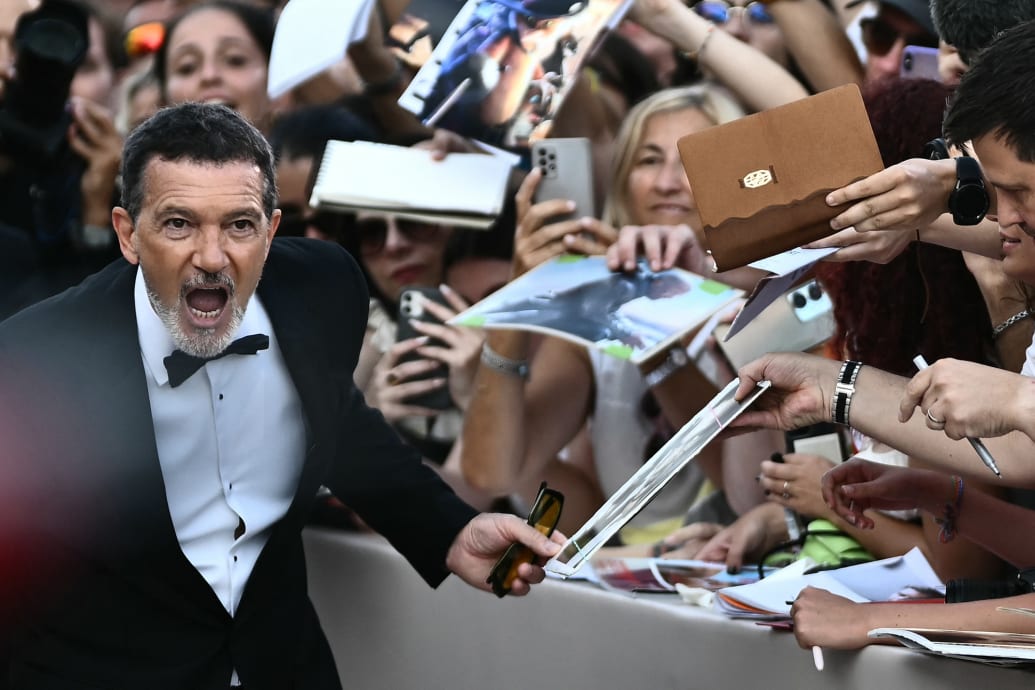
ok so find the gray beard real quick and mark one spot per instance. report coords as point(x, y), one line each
point(197, 342)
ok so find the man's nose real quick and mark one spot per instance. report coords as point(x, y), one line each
point(209, 253)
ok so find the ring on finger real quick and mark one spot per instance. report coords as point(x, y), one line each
point(391, 379)
point(785, 493)
point(933, 419)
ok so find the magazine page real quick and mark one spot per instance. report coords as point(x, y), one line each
point(628, 315)
point(646, 482)
point(889, 579)
point(663, 575)
point(503, 67)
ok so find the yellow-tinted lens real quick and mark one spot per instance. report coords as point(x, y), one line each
point(544, 516)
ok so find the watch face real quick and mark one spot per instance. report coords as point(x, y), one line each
point(969, 203)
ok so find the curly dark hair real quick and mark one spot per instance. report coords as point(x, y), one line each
point(925, 300)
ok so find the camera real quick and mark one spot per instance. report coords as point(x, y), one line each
point(51, 42)
point(957, 591)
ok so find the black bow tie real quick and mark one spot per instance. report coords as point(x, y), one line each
point(182, 366)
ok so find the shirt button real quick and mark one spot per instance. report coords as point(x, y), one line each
point(220, 396)
point(235, 559)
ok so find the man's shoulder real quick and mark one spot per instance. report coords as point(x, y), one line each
point(90, 305)
point(303, 254)
point(313, 265)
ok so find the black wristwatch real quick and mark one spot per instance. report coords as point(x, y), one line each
point(969, 200)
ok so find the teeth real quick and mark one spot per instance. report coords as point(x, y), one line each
point(204, 314)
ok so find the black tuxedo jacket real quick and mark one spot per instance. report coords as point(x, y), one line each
point(95, 578)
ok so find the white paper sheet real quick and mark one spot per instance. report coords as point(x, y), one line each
point(311, 36)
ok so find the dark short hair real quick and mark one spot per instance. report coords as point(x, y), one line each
point(258, 21)
point(196, 133)
point(303, 133)
point(971, 25)
point(995, 95)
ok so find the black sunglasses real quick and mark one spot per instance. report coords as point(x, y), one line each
point(879, 37)
point(373, 232)
point(333, 225)
point(545, 513)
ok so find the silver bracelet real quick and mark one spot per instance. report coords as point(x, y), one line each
point(511, 367)
point(841, 401)
point(997, 331)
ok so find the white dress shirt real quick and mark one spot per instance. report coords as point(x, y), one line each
point(231, 443)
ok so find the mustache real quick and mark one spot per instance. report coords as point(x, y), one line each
point(209, 281)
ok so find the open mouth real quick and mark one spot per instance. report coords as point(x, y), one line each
point(206, 303)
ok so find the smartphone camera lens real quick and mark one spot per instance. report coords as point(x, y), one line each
point(815, 291)
point(799, 300)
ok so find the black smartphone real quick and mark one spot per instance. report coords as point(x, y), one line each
point(823, 438)
point(411, 307)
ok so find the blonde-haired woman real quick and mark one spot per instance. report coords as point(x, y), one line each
point(515, 427)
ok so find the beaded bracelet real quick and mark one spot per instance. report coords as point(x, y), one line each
point(947, 525)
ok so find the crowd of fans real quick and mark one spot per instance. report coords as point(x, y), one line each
point(905, 280)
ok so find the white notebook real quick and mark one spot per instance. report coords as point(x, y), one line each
point(464, 189)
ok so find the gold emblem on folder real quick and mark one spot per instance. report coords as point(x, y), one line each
point(758, 178)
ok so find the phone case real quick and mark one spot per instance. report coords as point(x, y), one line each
point(411, 307)
point(919, 62)
point(800, 320)
point(567, 167)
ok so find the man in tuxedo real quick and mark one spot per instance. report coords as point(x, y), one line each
point(165, 426)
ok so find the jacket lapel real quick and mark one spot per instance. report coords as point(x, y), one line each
point(137, 505)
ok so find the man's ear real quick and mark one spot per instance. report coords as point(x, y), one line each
point(123, 225)
point(274, 224)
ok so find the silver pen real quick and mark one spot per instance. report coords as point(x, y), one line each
point(975, 443)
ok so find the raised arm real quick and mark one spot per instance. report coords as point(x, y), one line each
point(758, 82)
point(818, 43)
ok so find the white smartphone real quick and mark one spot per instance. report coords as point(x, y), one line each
point(567, 167)
point(919, 62)
point(800, 320)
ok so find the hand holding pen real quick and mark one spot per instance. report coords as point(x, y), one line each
point(938, 424)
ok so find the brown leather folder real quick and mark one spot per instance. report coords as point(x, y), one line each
point(760, 181)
